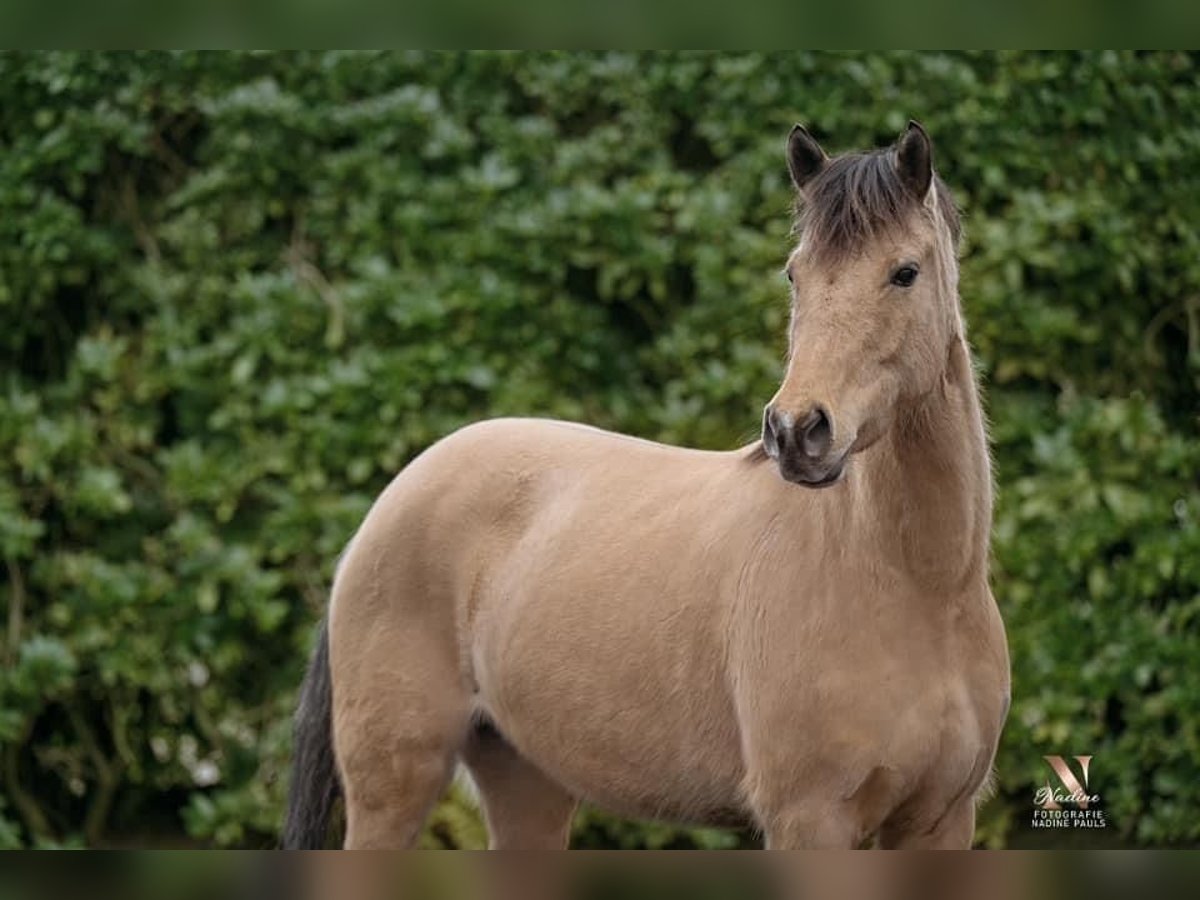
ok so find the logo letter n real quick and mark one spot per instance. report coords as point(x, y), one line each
point(1068, 780)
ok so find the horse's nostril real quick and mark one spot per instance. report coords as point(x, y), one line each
point(816, 433)
point(770, 435)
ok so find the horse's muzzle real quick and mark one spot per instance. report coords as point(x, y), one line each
point(803, 449)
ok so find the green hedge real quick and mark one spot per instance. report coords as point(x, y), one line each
point(238, 292)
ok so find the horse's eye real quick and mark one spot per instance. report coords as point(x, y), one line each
point(904, 276)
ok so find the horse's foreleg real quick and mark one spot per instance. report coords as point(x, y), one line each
point(799, 810)
point(955, 830)
point(811, 828)
point(524, 809)
point(803, 812)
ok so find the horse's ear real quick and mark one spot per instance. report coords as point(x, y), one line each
point(805, 157)
point(914, 159)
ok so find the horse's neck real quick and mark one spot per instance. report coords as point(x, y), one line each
point(926, 493)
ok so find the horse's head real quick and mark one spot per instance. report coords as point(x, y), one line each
point(874, 302)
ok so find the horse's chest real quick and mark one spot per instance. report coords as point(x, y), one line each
point(868, 688)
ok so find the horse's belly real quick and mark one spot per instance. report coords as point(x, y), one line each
point(624, 705)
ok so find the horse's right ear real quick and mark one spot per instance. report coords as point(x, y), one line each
point(805, 157)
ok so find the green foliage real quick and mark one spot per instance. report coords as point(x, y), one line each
point(238, 292)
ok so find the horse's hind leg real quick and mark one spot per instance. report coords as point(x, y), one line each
point(524, 808)
point(400, 715)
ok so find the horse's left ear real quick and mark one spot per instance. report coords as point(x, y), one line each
point(914, 159)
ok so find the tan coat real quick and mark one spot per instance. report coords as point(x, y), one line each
point(686, 635)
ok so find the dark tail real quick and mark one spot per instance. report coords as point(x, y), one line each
point(315, 788)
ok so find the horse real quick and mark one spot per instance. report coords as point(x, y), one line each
point(797, 636)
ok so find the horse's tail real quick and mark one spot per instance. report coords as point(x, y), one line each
point(315, 787)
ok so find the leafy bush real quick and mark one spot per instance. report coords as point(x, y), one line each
point(239, 291)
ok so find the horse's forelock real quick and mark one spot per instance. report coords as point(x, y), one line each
point(857, 198)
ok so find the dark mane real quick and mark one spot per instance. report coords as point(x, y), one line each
point(858, 197)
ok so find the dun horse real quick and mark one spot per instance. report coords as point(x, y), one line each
point(797, 635)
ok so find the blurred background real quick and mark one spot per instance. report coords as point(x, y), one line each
point(239, 291)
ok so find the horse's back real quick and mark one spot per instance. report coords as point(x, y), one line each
point(500, 496)
point(497, 444)
point(488, 480)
